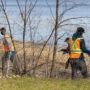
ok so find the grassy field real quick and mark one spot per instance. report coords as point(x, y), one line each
point(27, 83)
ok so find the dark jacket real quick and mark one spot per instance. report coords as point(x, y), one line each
point(82, 43)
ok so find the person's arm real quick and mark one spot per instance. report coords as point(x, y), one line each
point(83, 47)
point(66, 50)
point(4, 40)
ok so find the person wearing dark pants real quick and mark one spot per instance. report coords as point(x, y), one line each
point(78, 65)
point(76, 48)
point(9, 51)
point(5, 64)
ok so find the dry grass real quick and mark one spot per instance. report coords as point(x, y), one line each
point(46, 56)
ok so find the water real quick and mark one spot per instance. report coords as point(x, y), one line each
point(42, 13)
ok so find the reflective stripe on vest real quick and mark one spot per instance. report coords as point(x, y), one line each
point(75, 50)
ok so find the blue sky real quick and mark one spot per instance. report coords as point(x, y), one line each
point(42, 12)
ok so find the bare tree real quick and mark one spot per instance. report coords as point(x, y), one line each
point(61, 22)
point(7, 19)
point(55, 38)
point(25, 17)
point(58, 22)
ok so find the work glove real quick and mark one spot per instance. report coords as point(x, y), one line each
point(64, 51)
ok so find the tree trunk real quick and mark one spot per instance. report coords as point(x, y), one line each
point(24, 34)
point(55, 39)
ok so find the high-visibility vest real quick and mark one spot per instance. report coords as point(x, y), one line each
point(74, 47)
point(8, 46)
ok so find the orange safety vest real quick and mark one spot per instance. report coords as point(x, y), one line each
point(74, 47)
point(6, 48)
point(8, 45)
point(5, 45)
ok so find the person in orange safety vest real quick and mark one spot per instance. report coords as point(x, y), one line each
point(76, 48)
point(9, 51)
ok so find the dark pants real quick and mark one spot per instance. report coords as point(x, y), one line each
point(5, 62)
point(78, 64)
